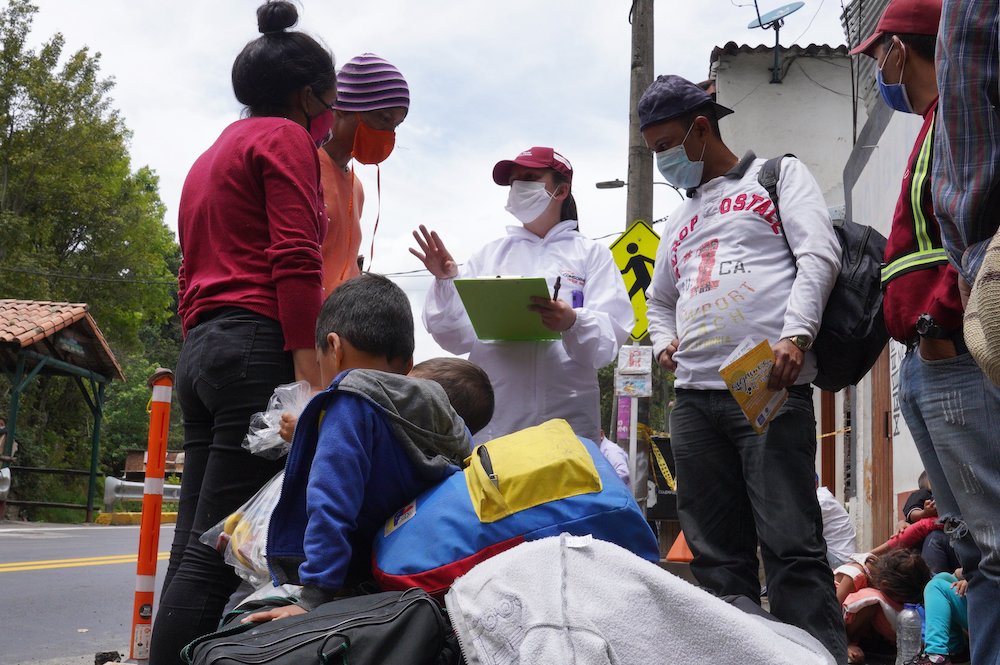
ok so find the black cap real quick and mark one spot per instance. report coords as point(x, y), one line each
point(671, 96)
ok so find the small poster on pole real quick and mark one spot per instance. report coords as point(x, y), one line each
point(634, 372)
point(635, 360)
point(624, 417)
point(633, 385)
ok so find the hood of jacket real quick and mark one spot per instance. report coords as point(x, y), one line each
point(419, 414)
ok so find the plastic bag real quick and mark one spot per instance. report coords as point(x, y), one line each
point(264, 436)
point(241, 538)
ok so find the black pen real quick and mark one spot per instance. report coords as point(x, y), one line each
point(555, 290)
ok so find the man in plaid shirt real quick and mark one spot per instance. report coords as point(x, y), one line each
point(966, 190)
point(967, 143)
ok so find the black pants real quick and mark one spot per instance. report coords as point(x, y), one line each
point(228, 368)
point(938, 553)
point(736, 488)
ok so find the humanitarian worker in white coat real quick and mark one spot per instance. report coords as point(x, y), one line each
point(726, 268)
point(536, 381)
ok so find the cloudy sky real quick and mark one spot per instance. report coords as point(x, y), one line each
point(487, 79)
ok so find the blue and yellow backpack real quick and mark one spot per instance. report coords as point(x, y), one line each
point(535, 483)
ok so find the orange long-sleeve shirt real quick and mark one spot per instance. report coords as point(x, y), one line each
point(344, 198)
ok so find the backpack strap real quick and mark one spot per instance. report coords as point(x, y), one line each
point(768, 177)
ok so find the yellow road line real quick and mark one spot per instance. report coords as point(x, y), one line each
point(18, 566)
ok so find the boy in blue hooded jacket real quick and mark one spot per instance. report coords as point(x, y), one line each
point(365, 446)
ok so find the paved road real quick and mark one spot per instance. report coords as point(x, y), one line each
point(66, 592)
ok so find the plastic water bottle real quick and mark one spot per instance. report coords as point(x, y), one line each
point(907, 634)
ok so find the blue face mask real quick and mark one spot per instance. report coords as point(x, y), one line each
point(677, 169)
point(893, 94)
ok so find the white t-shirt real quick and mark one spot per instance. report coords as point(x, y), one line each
point(537, 381)
point(618, 458)
point(838, 530)
point(723, 270)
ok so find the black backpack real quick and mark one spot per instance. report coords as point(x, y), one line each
point(391, 628)
point(853, 333)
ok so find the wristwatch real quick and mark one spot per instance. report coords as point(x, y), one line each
point(801, 341)
point(928, 327)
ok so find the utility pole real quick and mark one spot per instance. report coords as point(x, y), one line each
point(638, 206)
point(639, 202)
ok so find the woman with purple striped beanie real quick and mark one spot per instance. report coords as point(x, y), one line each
point(372, 100)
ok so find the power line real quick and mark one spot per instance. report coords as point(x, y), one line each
point(810, 22)
point(419, 272)
point(815, 82)
point(88, 278)
point(422, 272)
point(737, 102)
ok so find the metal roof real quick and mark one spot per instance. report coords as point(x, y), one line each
point(859, 20)
point(732, 48)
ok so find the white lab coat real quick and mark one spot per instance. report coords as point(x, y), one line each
point(537, 381)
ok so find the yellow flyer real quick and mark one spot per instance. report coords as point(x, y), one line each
point(746, 372)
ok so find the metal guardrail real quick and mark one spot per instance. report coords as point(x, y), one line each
point(69, 473)
point(127, 490)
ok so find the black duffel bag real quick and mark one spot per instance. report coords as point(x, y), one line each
point(393, 628)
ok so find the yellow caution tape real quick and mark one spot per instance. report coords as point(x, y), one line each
point(825, 435)
point(661, 462)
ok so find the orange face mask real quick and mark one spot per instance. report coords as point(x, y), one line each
point(372, 146)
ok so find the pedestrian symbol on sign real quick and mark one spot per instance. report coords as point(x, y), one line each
point(637, 266)
point(635, 255)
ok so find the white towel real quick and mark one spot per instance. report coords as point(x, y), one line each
point(582, 601)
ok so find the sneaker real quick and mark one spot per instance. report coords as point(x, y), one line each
point(929, 659)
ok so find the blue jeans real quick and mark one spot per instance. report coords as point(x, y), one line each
point(946, 615)
point(735, 487)
point(938, 553)
point(228, 368)
point(953, 413)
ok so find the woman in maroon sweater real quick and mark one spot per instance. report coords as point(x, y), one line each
point(251, 223)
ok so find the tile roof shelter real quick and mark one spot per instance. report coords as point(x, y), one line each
point(61, 339)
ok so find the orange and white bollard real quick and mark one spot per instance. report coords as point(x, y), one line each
point(162, 383)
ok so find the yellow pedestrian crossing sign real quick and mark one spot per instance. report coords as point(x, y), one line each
point(635, 256)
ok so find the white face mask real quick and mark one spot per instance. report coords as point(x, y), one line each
point(527, 200)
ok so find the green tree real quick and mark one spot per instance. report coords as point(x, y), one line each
point(654, 411)
point(79, 224)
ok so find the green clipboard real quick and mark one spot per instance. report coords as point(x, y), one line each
point(498, 308)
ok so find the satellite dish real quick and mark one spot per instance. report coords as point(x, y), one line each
point(775, 19)
point(775, 15)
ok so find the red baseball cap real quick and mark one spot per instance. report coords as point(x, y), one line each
point(904, 17)
point(537, 157)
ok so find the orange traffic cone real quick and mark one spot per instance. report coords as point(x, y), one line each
point(679, 551)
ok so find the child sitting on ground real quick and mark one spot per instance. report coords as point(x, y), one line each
point(872, 593)
point(453, 375)
point(935, 546)
point(366, 445)
point(466, 384)
point(911, 536)
point(947, 621)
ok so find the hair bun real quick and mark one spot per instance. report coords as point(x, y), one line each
point(276, 16)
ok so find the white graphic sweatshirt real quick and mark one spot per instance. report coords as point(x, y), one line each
point(724, 271)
